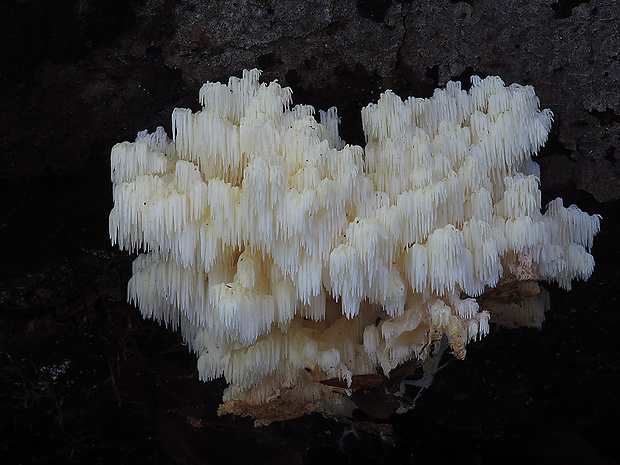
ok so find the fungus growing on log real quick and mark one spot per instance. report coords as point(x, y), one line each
point(300, 268)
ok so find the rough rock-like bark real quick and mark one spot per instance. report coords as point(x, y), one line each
point(106, 69)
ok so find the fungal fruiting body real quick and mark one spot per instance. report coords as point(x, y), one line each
point(287, 258)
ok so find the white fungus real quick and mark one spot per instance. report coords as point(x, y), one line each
point(287, 258)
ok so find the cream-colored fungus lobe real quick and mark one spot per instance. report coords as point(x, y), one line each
point(287, 258)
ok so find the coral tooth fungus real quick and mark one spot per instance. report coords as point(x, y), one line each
point(287, 258)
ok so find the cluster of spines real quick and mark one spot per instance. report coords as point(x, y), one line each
point(262, 224)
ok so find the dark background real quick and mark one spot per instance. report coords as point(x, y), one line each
point(84, 379)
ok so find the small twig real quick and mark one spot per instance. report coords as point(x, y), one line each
point(114, 385)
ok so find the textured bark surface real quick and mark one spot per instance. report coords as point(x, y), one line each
point(95, 71)
point(84, 378)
